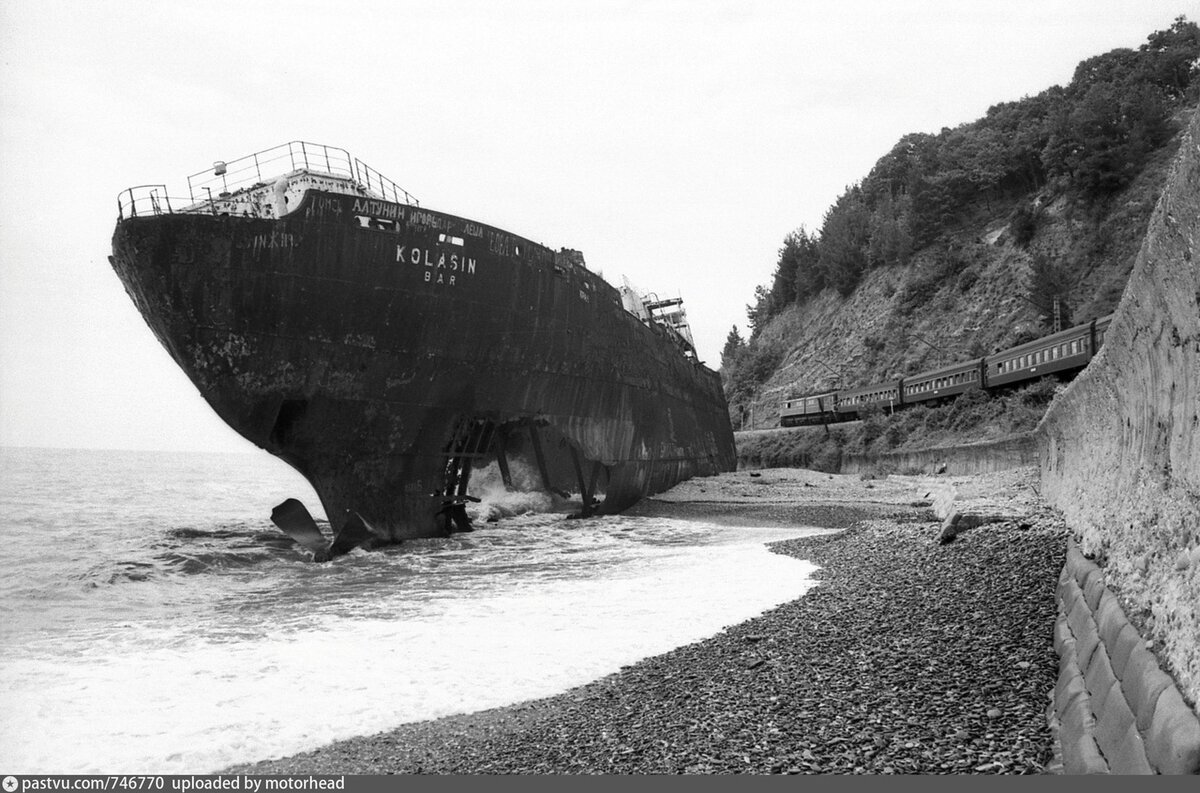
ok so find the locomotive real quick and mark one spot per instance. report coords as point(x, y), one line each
point(1065, 352)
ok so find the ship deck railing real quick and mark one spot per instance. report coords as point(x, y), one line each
point(255, 170)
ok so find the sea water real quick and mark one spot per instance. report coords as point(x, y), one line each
point(154, 620)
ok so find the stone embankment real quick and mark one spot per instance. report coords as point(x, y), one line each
point(1120, 447)
point(971, 458)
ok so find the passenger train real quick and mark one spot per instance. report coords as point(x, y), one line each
point(1064, 352)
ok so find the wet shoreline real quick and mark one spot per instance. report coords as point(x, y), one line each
point(908, 657)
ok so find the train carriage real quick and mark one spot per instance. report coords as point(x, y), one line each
point(1065, 351)
point(1059, 352)
point(945, 382)
point(855, 400)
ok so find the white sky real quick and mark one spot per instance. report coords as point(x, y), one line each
point(676, 143)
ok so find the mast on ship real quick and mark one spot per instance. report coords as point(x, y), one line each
point(667, 313)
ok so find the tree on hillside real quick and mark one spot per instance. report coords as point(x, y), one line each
point(734, 346)
point(1117, 110)
point(889, 236)
point(845, 235)
point(759, 314)
point(800, 250)
point(1105, 139)
point(1024, 127)
point(1172, 62)
point(797, 277)
point(783, 285)
point(898, 171)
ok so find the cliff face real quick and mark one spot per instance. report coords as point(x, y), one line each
point(963, 296)
point(1120, 447)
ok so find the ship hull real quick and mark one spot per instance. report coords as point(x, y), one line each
point(384, 350)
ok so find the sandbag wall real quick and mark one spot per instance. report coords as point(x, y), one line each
point(1116, 711)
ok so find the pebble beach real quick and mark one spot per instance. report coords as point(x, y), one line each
point(909, 656)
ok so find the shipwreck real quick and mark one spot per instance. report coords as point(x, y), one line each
point(386, 350)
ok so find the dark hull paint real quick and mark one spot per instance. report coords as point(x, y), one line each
point(368, 357)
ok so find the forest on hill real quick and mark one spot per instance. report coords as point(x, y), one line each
point(975, 238)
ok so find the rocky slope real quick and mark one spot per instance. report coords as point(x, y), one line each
point(962, 297)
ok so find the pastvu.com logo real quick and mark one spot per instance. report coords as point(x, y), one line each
point(10, 784)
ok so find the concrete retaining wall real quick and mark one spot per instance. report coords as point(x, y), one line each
point(1120, 446)
point(975, 458)
point(1114, 709)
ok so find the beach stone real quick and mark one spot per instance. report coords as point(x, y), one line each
point(949, 528)
point(890, 663)
point(959, 521)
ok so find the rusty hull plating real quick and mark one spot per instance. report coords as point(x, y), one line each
point(385, 350)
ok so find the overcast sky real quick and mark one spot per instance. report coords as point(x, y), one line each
point(675, 143)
